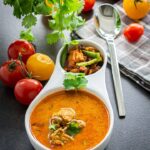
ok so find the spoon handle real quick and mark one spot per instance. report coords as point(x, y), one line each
point(116, 77)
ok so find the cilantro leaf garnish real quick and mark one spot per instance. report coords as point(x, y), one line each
point(52, 127)
point(74, 81)
point(73, 129)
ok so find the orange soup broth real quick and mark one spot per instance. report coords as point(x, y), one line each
point(87, 107)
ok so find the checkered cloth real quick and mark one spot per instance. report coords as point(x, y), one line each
point(134, 59)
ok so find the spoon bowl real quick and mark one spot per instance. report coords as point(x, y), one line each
point(107, 21)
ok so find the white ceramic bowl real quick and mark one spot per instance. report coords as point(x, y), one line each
point(96, 85)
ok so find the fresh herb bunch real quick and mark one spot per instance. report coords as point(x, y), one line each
point(64, 16)
point(28, 10)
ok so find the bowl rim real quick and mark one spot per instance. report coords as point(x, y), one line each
point(55, 90)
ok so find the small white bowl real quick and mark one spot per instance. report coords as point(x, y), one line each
point(96, 85)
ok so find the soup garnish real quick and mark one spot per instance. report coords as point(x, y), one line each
point(63, 127)
point(74, 81)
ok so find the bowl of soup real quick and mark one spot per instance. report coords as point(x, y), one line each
point(69, 120)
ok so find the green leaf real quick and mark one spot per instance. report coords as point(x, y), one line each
point(74, 81)
point(27, 35)
point(53, 37)
point(74, 5)
point(64, 15)
point(52, 127)
point(17, 9)
point(29, 21)
point(8, 2)
point(76, 22)
point(26, 6)
point(52, 24)
point(118, 20)
point(73, 129)
point(74, 42)
point(41, 8)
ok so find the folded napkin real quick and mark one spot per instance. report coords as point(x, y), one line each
point(134, 59)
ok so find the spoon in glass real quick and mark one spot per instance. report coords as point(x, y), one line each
point(108, 26)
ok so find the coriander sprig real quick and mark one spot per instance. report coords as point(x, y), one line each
point(27, 35)
point(64, 16)
point(75, 81)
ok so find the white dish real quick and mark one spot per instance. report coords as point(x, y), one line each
point(96, 85)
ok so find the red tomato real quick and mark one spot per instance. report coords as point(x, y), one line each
point(26, 90)
point(88, 5)
point(22, 47)
point(11, 72)
point(133, 32)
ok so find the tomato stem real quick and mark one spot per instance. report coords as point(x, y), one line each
point(12, 66)
point(137, 1)
point(28, 74)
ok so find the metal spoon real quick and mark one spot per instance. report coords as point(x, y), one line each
point(108, 26)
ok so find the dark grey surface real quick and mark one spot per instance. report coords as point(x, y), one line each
point(131, 133)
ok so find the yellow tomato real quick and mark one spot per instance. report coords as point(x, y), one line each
point(136, 9)
point(40, 66)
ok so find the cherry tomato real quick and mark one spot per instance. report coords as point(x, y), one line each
point(26, 90)
point(133, 32)
point(22, 47)
point(11, 72)
point(40, 66)
point(88, 5)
